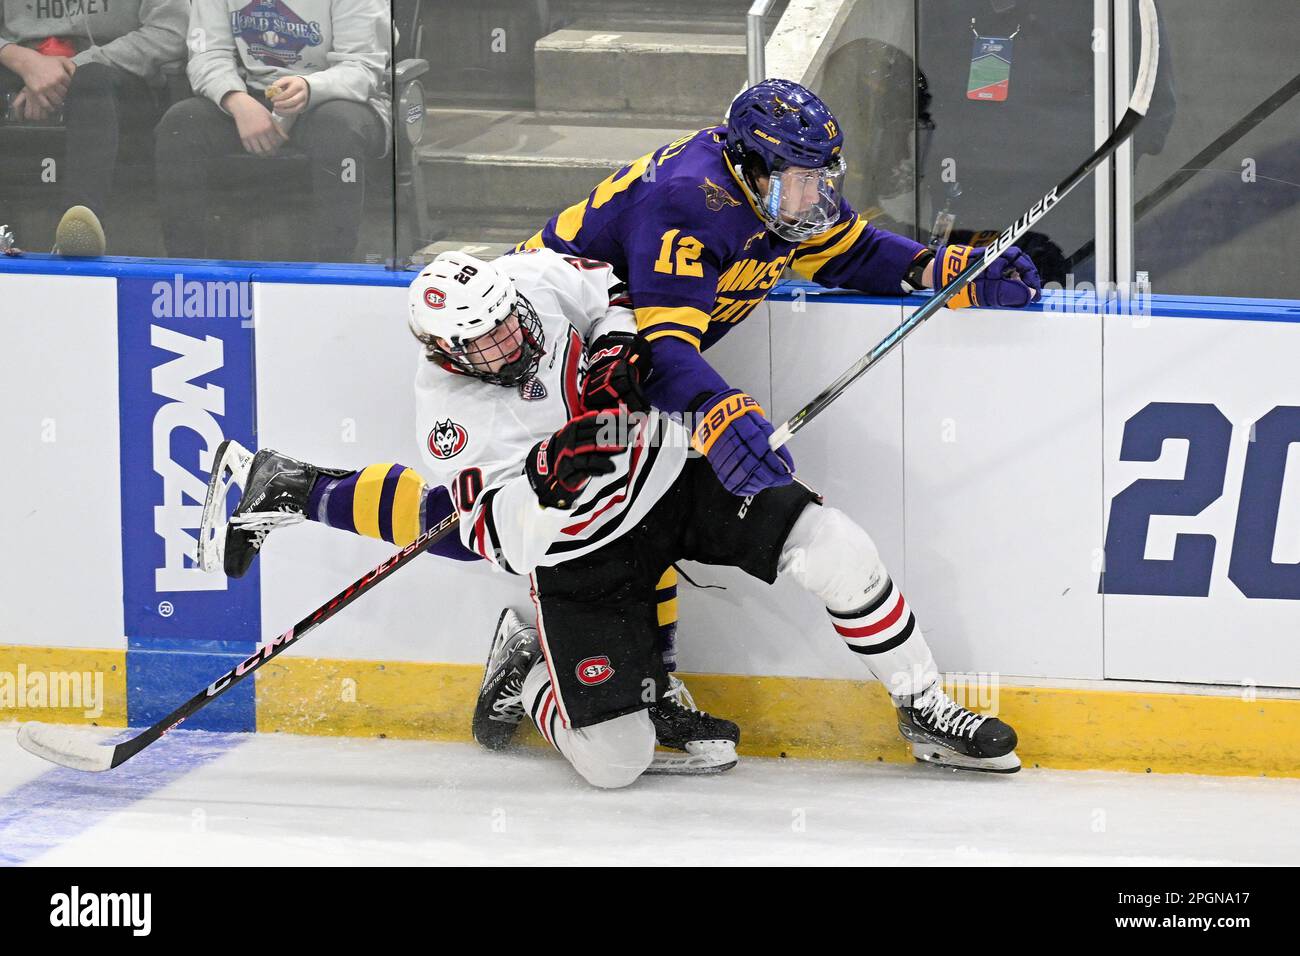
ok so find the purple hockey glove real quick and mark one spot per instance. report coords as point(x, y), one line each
point(1011, 282)
point(733, 433)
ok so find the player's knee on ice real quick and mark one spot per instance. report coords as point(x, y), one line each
point(830, 554)
point(614, 753)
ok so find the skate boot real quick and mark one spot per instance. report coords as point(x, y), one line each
point(709, 742)
point(500, 709)
point(943, 732)
point(275, 491)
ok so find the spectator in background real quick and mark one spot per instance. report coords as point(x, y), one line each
point(307, 73)
point(97, 65)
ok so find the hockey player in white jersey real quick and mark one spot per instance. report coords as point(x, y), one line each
point(594, 504)
point(478, 410)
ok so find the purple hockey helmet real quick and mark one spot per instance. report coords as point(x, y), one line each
point(792, 137)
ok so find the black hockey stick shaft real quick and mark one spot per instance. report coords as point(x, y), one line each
point(1198, 162)
point(1138, 104)
point(266, 652)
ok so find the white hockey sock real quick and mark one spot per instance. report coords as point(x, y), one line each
point(829, 554)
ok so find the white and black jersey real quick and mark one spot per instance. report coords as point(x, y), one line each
point(474, 436)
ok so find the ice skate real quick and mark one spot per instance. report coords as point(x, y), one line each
point(708, 743)
point(943, 732)
point(275, 489)
point(500, 710)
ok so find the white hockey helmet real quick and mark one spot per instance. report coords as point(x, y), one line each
point(469, 315)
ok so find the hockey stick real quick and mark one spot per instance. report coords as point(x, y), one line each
point(1137, 108)
point(71, 748)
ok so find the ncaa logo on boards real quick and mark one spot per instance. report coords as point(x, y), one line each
point(435, 298)
point(594, 670)
point(186, 407)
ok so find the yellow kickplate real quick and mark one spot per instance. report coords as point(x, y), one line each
point(63, 685)
point(1063, 728)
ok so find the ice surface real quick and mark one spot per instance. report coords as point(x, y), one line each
point(196, 798)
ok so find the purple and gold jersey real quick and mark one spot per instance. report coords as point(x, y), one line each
point(680, 228)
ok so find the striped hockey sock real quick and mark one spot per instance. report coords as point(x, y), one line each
point(379, 501)
point(539, 703)
point(386, 501)
point(666, 605)
point(885, 633)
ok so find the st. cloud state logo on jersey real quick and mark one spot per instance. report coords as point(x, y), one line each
point(447, 440)
point(594, 670)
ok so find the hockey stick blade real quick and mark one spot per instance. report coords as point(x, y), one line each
point(80, 750)
point(65, 747)
point(1148, 63)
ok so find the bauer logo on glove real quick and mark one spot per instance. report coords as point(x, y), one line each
point(720, 416)
point(1010, 282)
point(733, 433)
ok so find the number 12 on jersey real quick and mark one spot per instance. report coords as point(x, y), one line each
point(688, 250)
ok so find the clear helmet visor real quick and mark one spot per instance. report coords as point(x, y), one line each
point(803, 202)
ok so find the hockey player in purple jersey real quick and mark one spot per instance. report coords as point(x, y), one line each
point(701, 230)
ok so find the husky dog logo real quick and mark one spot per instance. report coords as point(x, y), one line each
point(715, 197)
point(594, 670)
point(447, 440)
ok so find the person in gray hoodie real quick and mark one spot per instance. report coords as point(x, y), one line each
point(97, 64)
point(271, 74)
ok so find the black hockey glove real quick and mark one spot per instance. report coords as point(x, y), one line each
point(617, 364)
point(559, 467)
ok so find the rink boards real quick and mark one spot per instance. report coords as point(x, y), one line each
point(1084, 508)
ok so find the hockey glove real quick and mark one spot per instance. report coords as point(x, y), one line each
point(733, 433)
point(1011, 282)
point(617, 365)
point(559, 467)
